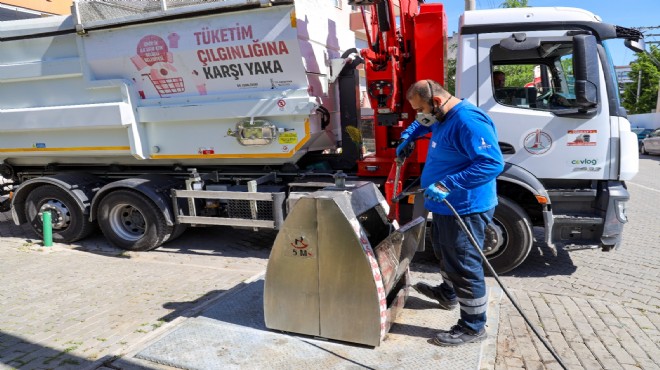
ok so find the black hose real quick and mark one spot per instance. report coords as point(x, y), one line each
point(325, 116)
point(497, 278)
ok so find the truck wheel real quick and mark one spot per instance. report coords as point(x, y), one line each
point(69, 221)
point(131, 221)
point(509, 237)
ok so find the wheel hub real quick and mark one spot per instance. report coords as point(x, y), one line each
point(60, 215)
point(127, 221)
point(494, 239)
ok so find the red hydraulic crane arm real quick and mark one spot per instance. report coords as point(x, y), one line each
point(406, 42)
point(386, 27)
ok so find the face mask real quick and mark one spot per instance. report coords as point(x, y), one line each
point(436, 115)
point(426, 119)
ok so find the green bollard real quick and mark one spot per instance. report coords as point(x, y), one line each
point(48, 228)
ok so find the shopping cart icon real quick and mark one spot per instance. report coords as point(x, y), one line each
point(166, 86)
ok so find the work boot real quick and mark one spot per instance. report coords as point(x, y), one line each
point(435, 293)
point(458, 335)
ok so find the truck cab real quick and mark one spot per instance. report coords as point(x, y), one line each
point(566, 140)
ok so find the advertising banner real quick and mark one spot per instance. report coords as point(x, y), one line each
point(215, 54)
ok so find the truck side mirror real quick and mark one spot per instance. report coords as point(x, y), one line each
point(585, 69)
point(635, 45)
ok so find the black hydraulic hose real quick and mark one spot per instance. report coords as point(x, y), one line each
point(497, 278)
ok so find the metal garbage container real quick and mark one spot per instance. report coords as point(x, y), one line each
point(324, 276)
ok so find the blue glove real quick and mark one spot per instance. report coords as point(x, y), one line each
point(405, 148)
point(435, 193)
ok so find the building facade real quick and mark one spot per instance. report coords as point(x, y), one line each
point(25, 9)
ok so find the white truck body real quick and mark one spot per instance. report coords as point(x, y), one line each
point(610, 153)
point(145, 119)
point(200, 88)
point(572, 155)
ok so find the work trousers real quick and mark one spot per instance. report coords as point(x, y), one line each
point(461, 265)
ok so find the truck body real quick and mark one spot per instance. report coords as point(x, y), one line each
point(147, 118)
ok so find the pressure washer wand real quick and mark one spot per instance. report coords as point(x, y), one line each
point(397, 176)
point(497, 278)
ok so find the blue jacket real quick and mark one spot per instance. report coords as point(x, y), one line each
point(464, 156)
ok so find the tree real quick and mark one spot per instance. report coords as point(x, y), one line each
point(517, 75)
point(514, 4)
point(648, 90)
point(450, 72)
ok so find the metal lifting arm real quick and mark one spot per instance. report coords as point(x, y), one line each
point(388, 24)
point(406, 42)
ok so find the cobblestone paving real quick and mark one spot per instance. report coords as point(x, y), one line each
point(71, 305)
point(597, 309)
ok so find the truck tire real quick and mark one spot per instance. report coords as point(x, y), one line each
point(69, 221)
point(177, 230)
point(509, 237)
point(131, 221)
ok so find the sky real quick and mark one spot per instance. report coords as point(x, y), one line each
point(631, 13)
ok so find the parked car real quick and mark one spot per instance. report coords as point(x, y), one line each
point(641, 133)
point(651, 144)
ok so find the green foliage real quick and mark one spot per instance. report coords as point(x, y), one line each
point(450, 74)
point(514, 4)
point(517, 75)
point(648, 93)
point(567, 65)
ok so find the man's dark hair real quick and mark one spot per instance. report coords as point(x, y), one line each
point(498, 73)
point(426, 90)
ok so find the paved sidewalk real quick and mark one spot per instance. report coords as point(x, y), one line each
point(599, 310)
point(80, 306)
point(73, 306)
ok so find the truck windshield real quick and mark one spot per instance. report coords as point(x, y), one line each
point(612, 68)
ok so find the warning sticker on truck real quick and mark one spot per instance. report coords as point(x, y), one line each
point(288, 138)
point(582, 137)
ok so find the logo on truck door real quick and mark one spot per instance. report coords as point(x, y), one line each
point(537, 142)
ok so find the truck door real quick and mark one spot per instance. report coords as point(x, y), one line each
point(532, 109)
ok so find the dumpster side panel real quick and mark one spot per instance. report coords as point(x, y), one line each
point(350, 303)
point(291, 290)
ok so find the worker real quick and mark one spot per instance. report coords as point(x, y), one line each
point(462, 163)
point(502, 95)
point(499, 79)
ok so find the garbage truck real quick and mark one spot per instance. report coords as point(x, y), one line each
point(143, 118)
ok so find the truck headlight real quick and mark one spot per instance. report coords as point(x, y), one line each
point(621, 211)
point(255, 132)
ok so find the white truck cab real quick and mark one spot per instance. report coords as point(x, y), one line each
point(566, 141)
